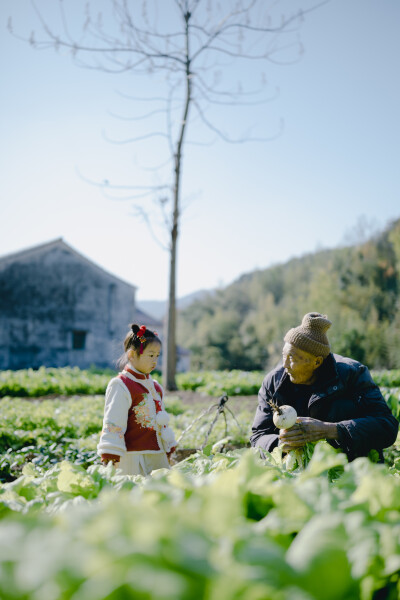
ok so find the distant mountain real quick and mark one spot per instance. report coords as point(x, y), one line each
point(243, 325)
point(157, 308)
point(154, 308)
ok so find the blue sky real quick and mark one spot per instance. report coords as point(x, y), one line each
point(246, 206)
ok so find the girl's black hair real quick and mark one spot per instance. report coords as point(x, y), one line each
point(137, 339)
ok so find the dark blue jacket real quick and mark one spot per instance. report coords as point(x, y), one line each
point(344, 393)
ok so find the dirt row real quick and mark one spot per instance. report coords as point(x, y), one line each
point(235, 403)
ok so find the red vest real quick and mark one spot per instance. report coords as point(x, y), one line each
point(141, 431)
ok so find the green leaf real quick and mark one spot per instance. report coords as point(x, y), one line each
point(319, 555)
point(74, 480)
point(323, 459)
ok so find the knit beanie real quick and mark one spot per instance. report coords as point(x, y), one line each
point(310, 336)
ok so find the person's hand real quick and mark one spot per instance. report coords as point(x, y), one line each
point(306, 430)
point(106, 458)
point(170, 453)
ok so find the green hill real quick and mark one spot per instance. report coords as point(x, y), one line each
point(358, 287)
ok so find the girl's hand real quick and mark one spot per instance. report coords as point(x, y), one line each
point(106, 458)
point(170, 453)
point(306, 430)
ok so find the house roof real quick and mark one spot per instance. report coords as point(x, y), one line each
point(58, 243)
point(142, 318)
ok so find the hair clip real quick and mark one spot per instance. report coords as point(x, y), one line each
point(140, 334)
point(141, 337)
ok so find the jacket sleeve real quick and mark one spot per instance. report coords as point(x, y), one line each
point(264, 433)
point(374, 427)
point(117, 404)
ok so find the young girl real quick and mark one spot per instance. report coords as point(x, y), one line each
point(135, 434)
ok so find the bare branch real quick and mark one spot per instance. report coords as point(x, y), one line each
point(242, 55)
point(163, 201)
point(139, 138)
point(137, 196)
point(105, 184)
point(140, 212)
point(159, 166)
point(196, 143)
point(222, 30)
point(139, 118)
point(115, 46)
point(229, 97)
point(141, 98)
point(226, 138)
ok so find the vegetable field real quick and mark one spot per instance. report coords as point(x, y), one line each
point(216, 526)
point(71, 380)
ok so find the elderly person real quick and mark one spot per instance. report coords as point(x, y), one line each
point(335, 397)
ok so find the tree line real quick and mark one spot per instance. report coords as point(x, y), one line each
point(357, 287)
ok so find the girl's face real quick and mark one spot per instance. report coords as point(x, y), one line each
point(147, 361)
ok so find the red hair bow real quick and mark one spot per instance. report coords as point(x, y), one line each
point(141, 332)
point(141, 337)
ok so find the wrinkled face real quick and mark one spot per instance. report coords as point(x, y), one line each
point(300, 365)
point(147, 361)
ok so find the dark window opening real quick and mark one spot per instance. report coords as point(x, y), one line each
point(78, 340)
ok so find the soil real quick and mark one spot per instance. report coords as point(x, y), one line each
point(235, 403)
point(202, 401)
point(188, 398)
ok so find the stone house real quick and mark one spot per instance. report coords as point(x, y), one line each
point(58, 308)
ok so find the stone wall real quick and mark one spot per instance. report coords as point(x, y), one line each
point(57, 309)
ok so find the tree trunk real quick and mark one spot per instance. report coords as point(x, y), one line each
point(169, 353)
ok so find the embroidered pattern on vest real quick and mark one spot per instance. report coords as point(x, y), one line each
point(142, 414)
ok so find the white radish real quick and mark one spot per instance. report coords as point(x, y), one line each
point(284, 417)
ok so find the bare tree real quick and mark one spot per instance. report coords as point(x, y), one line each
point(193, 45)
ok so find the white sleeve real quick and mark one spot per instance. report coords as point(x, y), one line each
point(117, 404)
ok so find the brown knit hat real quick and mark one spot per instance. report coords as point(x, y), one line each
point(310, 335)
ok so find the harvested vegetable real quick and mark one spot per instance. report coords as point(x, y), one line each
point(284, 417)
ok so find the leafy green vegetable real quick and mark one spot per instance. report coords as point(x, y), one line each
point(215, 383)
point(218, 525)
point(214, 526)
